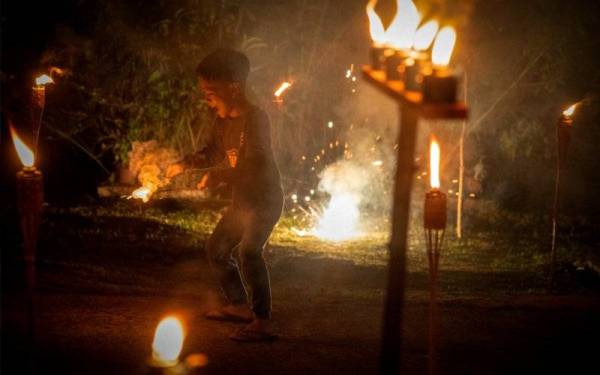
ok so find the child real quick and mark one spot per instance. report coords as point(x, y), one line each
point(240, 149)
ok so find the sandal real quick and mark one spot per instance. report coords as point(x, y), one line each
point(224, 316)
point(251, 335)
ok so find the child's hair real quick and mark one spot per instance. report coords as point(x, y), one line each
point(224, 64)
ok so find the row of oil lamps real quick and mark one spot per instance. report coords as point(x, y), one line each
point(402, 52)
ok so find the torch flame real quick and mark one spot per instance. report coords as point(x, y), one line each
point(443, 46)
point(434, 164)
point(569, 111)
point(424, 35)
point(44, 79)
point(375, 25)
point(168, 341)
point(24, 152)
point(401, 32)
point(284, 86)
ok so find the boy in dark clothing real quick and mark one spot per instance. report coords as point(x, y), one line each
point(240, 150)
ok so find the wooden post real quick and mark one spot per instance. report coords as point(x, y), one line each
point(411, 109)
point(394, 303)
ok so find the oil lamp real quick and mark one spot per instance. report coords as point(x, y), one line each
point(400, 37)
point(440, 85)
point(418, 59)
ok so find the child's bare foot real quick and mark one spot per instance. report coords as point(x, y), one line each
point(231, 313)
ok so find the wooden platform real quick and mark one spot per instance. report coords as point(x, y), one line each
point(395, 90)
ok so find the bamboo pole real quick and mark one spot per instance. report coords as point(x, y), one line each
point(461, 167)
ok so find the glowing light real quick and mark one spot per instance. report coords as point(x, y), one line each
point(340, 219)
point(330, 124)
point(434, 164)
point(307, 198)
point(375, 25)
point(401, 32)
point(44, 79)
point(144, 193)
point(25, 154)
point(56, 70)
point(284, 86)
point(424, 35)
point(168, 342)
point(294, 197)
point(569, 111)
point(377, 163)
point(443, 46)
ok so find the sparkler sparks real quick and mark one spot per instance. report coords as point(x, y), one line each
point(281, 89)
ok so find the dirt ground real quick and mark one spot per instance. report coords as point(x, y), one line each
point(104, 283)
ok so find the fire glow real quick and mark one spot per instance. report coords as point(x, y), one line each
point(375, 25)
point(424, 36)
point(25, 154)
point(168, 342)
point(282, 88)
point(144, 193)
point(44, 79)
point(569, 111)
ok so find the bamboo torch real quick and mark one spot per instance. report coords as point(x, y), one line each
point(434, 222)
point(38, 103)
point(30, 196)
point(563, 138)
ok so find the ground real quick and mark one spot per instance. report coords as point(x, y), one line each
point(110, 270)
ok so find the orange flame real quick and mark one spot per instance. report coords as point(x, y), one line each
point(168, 342)
point(424, 35)
point(569, 111)
point(434, 164)
point(24, 152)
point(283, 87)
point(375, 25)
point(44, 79)
point(401, 32)
point(443, 46)
point(56, 70)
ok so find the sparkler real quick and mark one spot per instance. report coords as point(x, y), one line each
point(278, 94)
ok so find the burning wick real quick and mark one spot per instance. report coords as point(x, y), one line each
point(168, 342)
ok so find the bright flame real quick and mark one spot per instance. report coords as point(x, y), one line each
point(284, 86)
point(142, 193)
point(56, 70)
point(44, 79)
point(340, 219)
point(443, 46)
point(434, 164)
point(24, 152)
point(424, 35)
point(569, 111)
point(401, 32)
point(375, 25)
point(168, 341)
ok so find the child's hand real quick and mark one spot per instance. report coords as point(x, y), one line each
point(174, 169)
point(203, 182)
